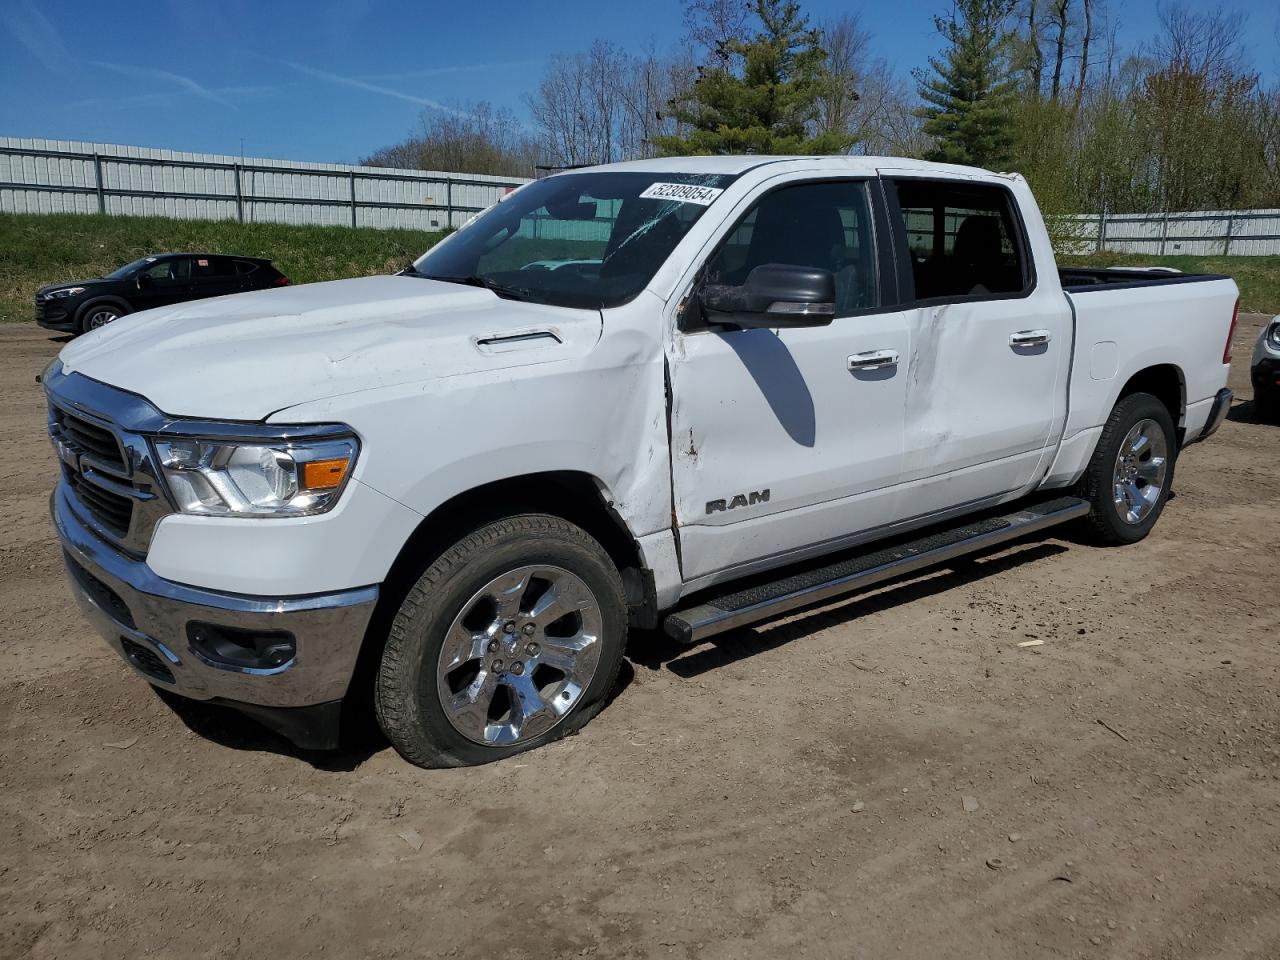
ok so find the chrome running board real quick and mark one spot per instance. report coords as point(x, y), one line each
point(740, 607)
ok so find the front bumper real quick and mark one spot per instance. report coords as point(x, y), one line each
point(1265, 375)
point(147, 620)
point(55, 316)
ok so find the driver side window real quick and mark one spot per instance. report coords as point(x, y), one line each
point(166, 271)
point(823, 225)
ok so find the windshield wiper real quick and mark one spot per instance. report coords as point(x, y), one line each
point(501, 289)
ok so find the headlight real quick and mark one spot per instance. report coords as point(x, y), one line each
point(1273, 335)
point(255, 479)
point(63, 293)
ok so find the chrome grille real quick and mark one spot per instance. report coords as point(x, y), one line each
point(92, 438)
point(107, 474)
point(110, 509)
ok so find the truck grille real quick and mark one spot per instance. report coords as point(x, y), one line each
point(110, 509)
point(107, 477)
point(97, 441)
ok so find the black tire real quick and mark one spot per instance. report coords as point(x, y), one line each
point(407, 700)
point(1105, 525)
point(91, 314)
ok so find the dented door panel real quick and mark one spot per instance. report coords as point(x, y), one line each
point(777, 444)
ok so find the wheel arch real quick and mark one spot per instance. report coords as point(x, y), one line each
point(1168, 384)
point(97, 301)
point(575, 496)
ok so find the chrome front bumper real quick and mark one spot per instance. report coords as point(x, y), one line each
point(145, 619)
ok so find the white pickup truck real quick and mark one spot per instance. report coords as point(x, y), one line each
point(690, 393)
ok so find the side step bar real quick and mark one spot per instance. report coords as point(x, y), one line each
point(740, 607)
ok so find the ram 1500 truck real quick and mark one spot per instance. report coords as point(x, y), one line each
point(688, 393)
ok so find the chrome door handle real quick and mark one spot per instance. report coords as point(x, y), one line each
point(1029, 338)
point(872, 359)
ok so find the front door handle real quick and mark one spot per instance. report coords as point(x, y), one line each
point(1029, 338)
point(872, 359)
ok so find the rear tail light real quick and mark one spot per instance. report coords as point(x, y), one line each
point(280, 281)
point(1231, 334)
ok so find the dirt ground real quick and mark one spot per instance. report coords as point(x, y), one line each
point(805, 788)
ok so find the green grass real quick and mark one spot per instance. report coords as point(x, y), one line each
point(36, 250)
point(1257, 277)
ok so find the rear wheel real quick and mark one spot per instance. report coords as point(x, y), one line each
point(511, 639)
point(98, 315)
point(1129, 478)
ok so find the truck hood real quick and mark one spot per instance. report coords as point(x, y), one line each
point(246, 356)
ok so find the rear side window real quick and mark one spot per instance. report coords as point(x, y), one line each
point(245, 267)
point(204, 268)
point(963, 240)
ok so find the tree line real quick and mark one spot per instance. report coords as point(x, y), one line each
point(1040, 87)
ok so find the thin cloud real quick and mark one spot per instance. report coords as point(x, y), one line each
point(460, 68)
point(167, 96)
point(37, 35)
point(151, 73)
point(359, 84)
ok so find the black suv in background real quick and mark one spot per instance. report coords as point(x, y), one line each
point(157, 281)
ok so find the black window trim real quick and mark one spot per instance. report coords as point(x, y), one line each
point(903, 252)
point(889, 284)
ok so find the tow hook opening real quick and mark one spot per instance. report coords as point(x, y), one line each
point(235, 648)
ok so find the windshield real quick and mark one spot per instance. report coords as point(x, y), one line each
point(578, 239)
point(128, 268)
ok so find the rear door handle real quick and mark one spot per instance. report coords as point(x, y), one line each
point(872, 359)
point(1029, 338)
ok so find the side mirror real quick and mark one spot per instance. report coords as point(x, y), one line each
point(775, 295)
point(144, 281)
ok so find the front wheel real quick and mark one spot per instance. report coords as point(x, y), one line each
point(1129, 478)
point(99, 315)
point(511, 639)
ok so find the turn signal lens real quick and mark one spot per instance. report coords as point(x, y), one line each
point(324, 474)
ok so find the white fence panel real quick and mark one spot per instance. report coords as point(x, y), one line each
point(60, 176)
point(1237, 233)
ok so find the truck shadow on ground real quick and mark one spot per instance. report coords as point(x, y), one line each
point(361, 737)
point(653, 650)
point(649, 649)
point(1247, 412)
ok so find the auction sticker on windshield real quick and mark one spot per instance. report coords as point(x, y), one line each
point(683, 192)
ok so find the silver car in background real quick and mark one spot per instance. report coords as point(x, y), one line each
point(1265, 372)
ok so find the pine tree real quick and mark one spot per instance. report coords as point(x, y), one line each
point(760, 95)
point(970, 90)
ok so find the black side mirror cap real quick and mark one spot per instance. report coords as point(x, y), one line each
point(775, 295)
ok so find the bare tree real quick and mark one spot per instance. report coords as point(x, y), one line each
point(1082, 78)
point(1035, 53)
point(478, 139)
point(711, 24)
point(846, 44)
point(603, 105)
point(1061, 16)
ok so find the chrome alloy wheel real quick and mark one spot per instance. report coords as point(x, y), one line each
point(519, 655)
point(1141, 468)
point(100, 317)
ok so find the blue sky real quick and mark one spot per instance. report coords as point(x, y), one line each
point(331, 80)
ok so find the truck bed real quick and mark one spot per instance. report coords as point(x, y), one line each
point(1087, 279)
